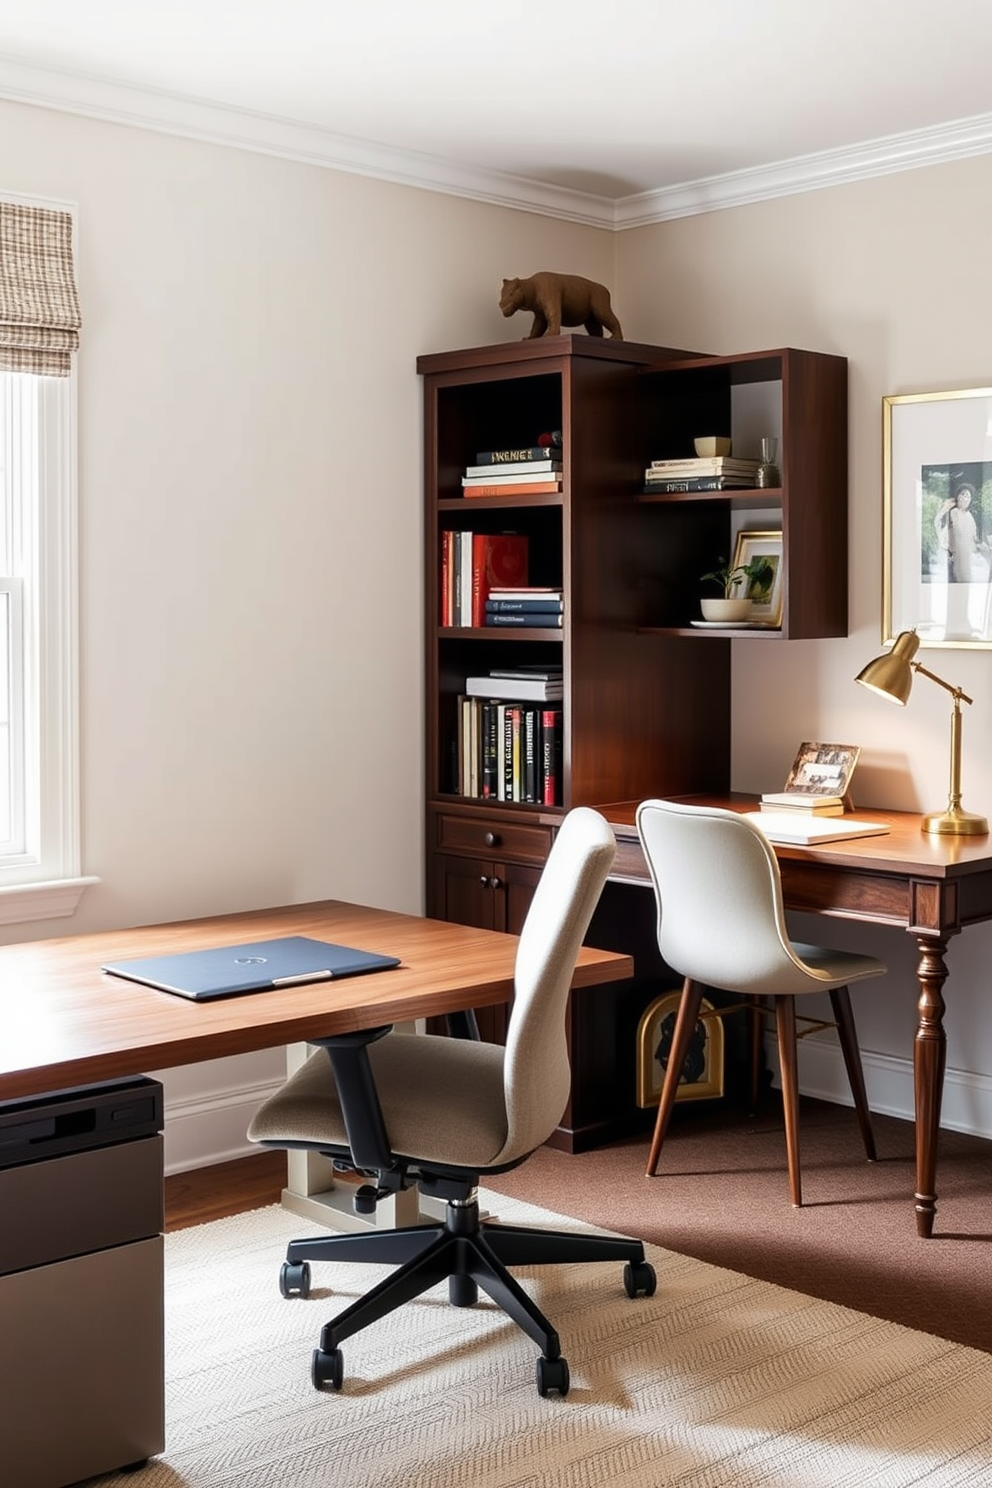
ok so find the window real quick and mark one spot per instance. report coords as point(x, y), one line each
point(39, 784)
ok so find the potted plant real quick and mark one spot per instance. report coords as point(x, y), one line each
point(735, 605)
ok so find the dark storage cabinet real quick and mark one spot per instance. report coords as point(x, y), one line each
point(81, 1283)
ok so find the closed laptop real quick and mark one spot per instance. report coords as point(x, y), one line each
point(262, 966)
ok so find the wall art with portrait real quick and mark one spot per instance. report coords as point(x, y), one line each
point(702, 1077)
point(937, 530)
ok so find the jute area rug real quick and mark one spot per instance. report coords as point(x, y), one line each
point(718, 1381)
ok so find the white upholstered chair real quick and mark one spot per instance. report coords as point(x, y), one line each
point(721, 924)
point(438, 1112)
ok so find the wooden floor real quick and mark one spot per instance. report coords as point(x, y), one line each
point(228, 1188)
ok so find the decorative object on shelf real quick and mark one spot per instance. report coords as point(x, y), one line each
point(891, 676)
point(711, 445)
point(759, 554)
point(743, 580)
point(768, 474)
point(557, 300)
point(937, 522)
point(702, 1075)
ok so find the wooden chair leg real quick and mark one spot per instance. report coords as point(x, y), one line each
point(785, 1018)
point(840, 1001)
point(755, 1033)
point(685, 1024)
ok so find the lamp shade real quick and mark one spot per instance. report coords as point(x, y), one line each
point(891, 674)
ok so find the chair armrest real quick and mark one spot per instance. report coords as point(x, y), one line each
point(368, 1139)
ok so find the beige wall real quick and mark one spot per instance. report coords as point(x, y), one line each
point(250, 516)
point(250, 519)
point(891, 273)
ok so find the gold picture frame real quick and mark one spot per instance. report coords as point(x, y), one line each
point(702, 1077)
point(937, 518)
point(766, 593)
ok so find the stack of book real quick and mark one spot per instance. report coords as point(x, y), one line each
point(526, 605)
point(803, 803)
point(531, 471)
point(720, 473)
point(471, 564)
point(508, 749)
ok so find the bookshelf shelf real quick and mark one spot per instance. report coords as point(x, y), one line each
point(646, 696)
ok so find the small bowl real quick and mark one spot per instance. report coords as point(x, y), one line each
point(712, 446)
point(726, 610)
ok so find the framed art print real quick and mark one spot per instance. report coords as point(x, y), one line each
point(764, 588)
point(937, 517)
point(702, 1074)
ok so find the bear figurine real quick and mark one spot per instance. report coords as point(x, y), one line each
point(558, 300)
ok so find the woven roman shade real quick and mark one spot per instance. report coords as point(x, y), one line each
point(39, 307)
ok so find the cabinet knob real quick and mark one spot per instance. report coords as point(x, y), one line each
point(484, 880)
point(494, 883)
point(492, 839)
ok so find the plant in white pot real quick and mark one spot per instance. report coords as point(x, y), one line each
point(734, 605)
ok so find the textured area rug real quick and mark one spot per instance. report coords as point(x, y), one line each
point(718, 1381)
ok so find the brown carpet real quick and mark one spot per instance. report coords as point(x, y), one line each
point(722, 1196)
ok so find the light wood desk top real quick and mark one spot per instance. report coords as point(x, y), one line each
point(64, 1022)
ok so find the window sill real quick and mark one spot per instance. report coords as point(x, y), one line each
point(52, 900)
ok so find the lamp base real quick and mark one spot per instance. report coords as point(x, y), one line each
point(954, 822)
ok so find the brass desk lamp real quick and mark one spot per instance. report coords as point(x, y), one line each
point(891, 676)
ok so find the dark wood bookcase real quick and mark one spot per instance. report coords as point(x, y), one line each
point(646, 706)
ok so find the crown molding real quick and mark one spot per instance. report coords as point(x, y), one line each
point(958, 140)
point(242, 129)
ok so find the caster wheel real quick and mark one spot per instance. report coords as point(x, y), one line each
point(327, 1369)
point(462, 1291)
point(639, 1279)
point(552, 1376)
point(294, 1279)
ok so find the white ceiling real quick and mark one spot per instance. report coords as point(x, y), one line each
point(610, 112)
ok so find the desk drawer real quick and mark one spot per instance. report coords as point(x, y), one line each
point(520, 841)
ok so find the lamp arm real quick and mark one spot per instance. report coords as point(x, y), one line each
point(956, 693)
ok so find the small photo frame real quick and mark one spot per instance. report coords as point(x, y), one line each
point(765, 590)
point(823, 769)
point(702, 1077)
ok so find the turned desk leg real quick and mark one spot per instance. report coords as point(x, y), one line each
point(929, 1057)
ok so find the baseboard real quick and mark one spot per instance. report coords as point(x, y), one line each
point(967, 1100)
point(211, 1127)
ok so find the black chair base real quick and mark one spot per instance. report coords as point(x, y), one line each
point(469, 1254)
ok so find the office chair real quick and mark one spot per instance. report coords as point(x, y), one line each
point(437, 1112)
point(721, 923)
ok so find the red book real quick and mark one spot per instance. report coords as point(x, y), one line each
point(499, 561)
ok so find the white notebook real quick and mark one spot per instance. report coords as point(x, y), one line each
point(793, 827)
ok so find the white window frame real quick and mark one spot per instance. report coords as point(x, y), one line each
point(40, 878)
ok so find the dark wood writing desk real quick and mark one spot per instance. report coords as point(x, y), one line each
point(65, 1023)
point(931, 887)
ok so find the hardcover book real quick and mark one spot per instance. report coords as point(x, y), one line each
point(499, 559)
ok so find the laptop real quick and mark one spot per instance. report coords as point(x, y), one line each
point(262, 966)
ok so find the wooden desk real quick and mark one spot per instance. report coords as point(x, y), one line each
point(64, 1022)
point(930, 887)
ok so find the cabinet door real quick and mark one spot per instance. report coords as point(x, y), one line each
point(493, 896)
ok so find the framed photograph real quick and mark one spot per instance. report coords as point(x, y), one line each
point(702, 1077)
point(937, 517)
point(823, 769)
point(765, 589)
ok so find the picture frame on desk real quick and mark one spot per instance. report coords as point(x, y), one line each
point(765, 593)
point(937, 518)
point(702, 1077)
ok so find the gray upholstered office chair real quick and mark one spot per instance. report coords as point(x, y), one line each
point(437, 1112)
point(721, 923)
